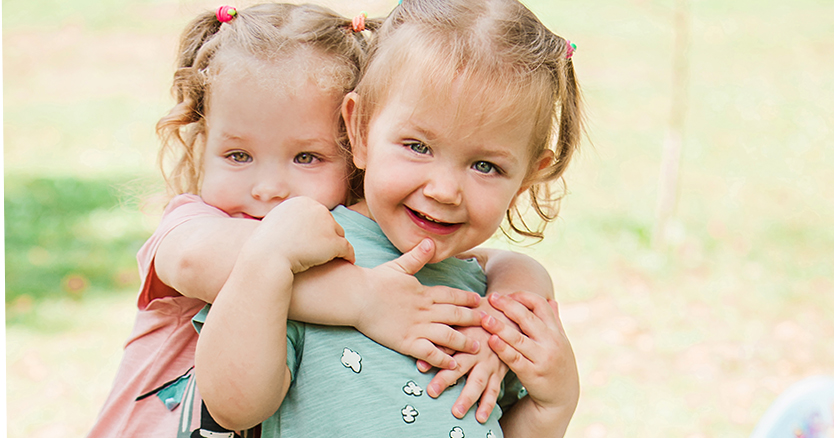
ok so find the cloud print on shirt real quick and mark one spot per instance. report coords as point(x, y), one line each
point(456, 432)
point(411, 388)
point(352, 360)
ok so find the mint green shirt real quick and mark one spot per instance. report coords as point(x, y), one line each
point(344, 384)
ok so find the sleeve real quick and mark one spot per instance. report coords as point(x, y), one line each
point(199, 319)
point(295, 338)
point(295, 345)
point(181, 209)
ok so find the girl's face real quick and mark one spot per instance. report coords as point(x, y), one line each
point(435, 172)
point(265, 144)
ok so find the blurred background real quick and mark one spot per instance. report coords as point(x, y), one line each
point(691, 332)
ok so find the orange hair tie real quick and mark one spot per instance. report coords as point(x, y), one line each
point(358, 22)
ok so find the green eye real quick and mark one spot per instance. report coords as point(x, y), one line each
point(304, 158)
point(239, 157)
point(483, 166)
point(420, 148)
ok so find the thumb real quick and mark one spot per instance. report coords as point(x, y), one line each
point(411, 262)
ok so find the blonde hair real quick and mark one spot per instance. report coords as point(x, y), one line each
point(264, 32)
point(497, 48)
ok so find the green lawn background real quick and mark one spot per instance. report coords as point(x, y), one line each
point(695, 340)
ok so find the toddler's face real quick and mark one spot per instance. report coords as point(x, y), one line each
point(441, 168)
point(265, 144)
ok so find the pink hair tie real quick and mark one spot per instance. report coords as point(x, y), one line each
point(571, 49)
point(358, 23)
point(225, 14)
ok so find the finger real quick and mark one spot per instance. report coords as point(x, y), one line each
point(449, 295)
point(540, 307)
point(555, 306)
point(508, 335)
point(442, 335)
point(424, 366)
point(519, 313)
point(454, 315)
point(509, 355)
point(446, 378)
point(476, 382)
point(489, 398)
point(347, 252)
point(339, 230)
point(411, 262)
point(429, 355)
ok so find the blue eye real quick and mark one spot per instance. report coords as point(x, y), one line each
point(239, 157)
point(484, 166)
point(304, 158)
point(418, 147)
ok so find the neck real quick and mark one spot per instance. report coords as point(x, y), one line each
point(361, 207)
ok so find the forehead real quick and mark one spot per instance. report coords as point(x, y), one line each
point(284, 72)
point(461, 107)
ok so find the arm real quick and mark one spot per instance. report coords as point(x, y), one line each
point(249, 316)
point(507, 272)
point(343, 294)
point(197, 257)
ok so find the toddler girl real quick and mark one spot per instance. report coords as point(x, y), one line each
point(463, 108)
point(256, 122)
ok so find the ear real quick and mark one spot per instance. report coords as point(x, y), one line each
point(350, 114)
point(545, 159)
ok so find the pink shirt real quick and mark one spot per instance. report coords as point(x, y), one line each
point(161, 347)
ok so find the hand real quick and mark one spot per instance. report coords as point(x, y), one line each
point(540, 355)
point(422, 315)
point(485, 371)
point(303, 231)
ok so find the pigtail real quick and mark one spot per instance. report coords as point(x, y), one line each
point(181, 128)
point(568, 120)
point(358, 43)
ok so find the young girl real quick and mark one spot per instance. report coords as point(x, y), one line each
point(464, 107)
point(257, 122)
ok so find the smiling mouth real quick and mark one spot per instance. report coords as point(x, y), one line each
point(430, 219)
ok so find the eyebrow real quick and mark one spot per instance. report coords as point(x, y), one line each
point(484, 149)
point(234, 137)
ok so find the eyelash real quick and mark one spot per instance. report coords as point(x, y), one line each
point(492, 167)
point(425, 150)
point(418, 144)
point(239, 157)
point(313, 157)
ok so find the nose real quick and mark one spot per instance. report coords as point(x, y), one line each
point(271, 186)
point(444, 186)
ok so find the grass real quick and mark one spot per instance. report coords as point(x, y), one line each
point(693, 340)
point(68, 237)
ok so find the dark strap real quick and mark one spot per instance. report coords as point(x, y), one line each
point(208, 423)
point(164, 385)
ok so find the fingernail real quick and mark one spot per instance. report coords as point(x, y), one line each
point(432, 390)
point(453, 365)
point(458, 411)
point(490, 321)
point(425, 245)
point(483, 314)
point(476, 346)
